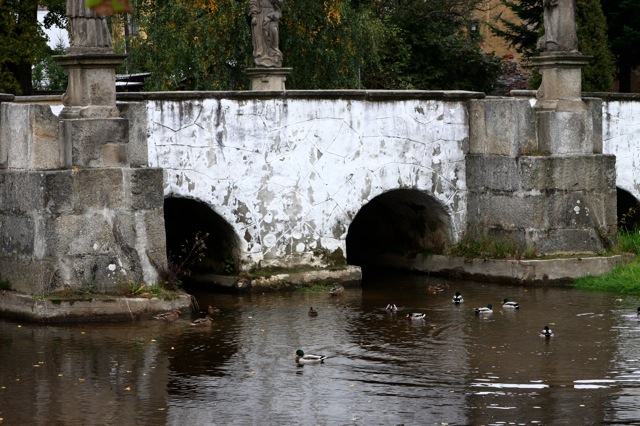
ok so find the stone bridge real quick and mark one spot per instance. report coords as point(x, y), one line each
point(313, 178)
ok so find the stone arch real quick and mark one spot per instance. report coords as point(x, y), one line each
point(184, 218)
point(397, 225)
point(628, 210)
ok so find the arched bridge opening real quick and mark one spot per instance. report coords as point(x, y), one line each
point(395, 226)
point(187, 220)
point(628, 211)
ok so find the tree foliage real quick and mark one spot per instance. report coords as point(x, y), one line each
point(592, 38)
point(623, 19)
point(190, 44)
point(22, 41)
point(428, 46)
point(334, 44)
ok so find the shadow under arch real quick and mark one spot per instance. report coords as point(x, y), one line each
point(395, 226)
point(628, 211)
point(184, 218)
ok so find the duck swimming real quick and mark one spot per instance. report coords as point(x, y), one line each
point(415, 316)
point(313, 312)
point(203, 322)
point(546, 332)
point(168, 316)
point(510, 304)
point(487, 310)
point(336, 290)
point(302, 359)
point(392, 308)
point(212, 310)
point(457, 298)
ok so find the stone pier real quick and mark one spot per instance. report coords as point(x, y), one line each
point(536, 172)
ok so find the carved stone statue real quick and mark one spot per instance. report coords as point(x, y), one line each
point(264, 16)
point(89, 32)
point(560, 34)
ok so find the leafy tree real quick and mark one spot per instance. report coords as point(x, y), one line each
point(333, 44)
point(428, 46)
point(22, 40)
point(47, 74)
point(190, 44)
point(593, 41)
point(623, 18)
point(524, 33)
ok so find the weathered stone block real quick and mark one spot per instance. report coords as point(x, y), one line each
point(97, 142)
point(136, 113)
point(98, 189)
point(29, 137)
point(501, 127)
point(146, 188)
point(566, 132)
point(17, 233)
point(570, 241)
point(567, 173)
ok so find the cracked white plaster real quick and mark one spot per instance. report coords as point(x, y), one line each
point(290, 175)
point(621, 137)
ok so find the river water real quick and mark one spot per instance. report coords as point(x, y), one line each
point(453, 368)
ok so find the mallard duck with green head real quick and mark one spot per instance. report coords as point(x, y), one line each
point(510, 304)
point(484, 310)
point(313, 312)
point(302, 358)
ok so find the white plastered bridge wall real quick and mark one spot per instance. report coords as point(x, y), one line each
point(289, 174)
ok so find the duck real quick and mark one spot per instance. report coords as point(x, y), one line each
point(510, 304)
point(302, 359)
point(212, 310)
point(484, 310)
point(313, 312)
point(457, 298)
point(336, 290)
point(546, 332)
point(437, 288)
point(203, 322)
point(415, 316)
point(391, 308)
point(168, 316)
point(638, 313)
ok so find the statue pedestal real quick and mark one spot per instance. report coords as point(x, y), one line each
point(561, 87)
point(268, 78)
point(91, 92)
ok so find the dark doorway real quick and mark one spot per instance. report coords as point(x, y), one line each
point(395, 226)
point(184, 220)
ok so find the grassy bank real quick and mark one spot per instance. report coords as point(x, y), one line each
point(623, 279)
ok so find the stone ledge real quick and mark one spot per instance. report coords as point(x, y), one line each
point(351, 275)
point(548, 271)
point(99, 309)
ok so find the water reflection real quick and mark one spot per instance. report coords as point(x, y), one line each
point(453, 367)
